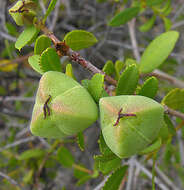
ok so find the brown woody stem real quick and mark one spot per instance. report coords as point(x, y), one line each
point(74, 56)
point(173, 112)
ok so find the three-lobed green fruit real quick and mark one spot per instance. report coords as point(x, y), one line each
point(23, 12)
point(71, 107)
point(132, 134)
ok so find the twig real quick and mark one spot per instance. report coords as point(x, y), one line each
point(7, 36)
point(55, 16)
point(173, 112)
point(12, 181)
point(42, 5)
point(178, 24)
point(164, 177)
point(25, 140)
point(98, 187)
point(181, 147)
point(178, 12)
point(123, 182)
point(161, 75)
point(68, 8)
point(149, 174)
point(136, 175)
point(74, 56)
point(15, 114)
point(131, 27)
point(16, 98)
point(130, 173)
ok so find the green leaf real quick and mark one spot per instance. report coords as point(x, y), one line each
point(168, 153)
point(50, 9)
point(29, 154)
point(109, 68)
point(153, 147)
point(118, 67)
point(80, 141)
point(12, 30)
point(79, 173)
point(109, 166)
point(28, 178)
point(83, 180)
point(69, 71)
point(148, 25)
point(129, 62)
point(167, 8)
point(153, 2)
point(124, 16)
point(128, 81)
point(105, 158)
point(65, 158)
point(26, 37)
point(164, 133)
point(96, 86)
point(108, 163)
point(79, 39)
point(167, 23)
point(34, 61)
point(114, 181)
point(149, 88)
point(170, 125)
point(104, 149)
point(85, 83)
point(41, 44)
point(174, 99)
point(157, 51)
point(50, 61)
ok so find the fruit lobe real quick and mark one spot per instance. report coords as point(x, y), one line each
point(132, 134)
point(72, 109)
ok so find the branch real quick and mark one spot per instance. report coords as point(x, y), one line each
point(25, 140)
point(149, 174)
point(15, 114)
point(12, 181)
point(173, 112)
point(131, 27)
point(76, 57)
point(164, 177)
point(101, 184)
point(160, 74)
point(130, 173)
point(16, 98)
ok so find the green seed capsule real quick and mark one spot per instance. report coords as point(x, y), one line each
point(63, 107)
point(23, 12)
point(131, 131)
